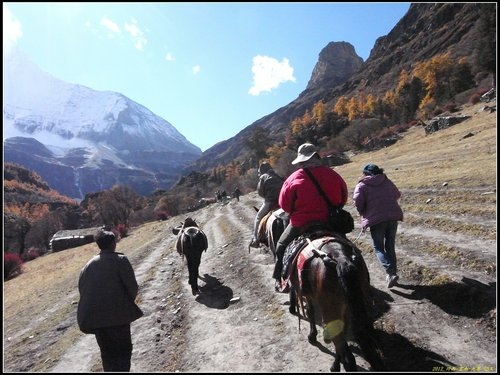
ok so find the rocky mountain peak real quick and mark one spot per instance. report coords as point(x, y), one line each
point(336, 64)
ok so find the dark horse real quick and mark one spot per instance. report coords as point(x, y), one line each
point(330, 275)
point(191, 242)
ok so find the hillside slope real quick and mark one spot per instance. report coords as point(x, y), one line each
point(441, 316)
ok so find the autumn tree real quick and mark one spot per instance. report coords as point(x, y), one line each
point(371, 106)
point(233, 170)
point(407, 96)
point(486, 57)
point(114, 206)
point(319, 112)
point(340, 107)
point(257, 142)
point(275, 152)
point(43, 229)
point(352, 109)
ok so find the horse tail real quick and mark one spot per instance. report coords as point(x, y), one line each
point(351, 275)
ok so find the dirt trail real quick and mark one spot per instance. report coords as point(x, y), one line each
point(239, 324)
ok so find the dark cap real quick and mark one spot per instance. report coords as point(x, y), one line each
point(372, 169)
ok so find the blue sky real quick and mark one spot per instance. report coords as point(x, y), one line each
point(210, 69)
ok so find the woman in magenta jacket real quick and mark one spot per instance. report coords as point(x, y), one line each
point(376, 199)
point(301, 200)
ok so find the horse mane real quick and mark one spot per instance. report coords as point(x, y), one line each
point(350, 268)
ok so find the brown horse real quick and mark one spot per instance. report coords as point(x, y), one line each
point(271, 227)
point(329, 274)
point(191, 242)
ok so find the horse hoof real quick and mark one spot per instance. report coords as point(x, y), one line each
point(195, 291)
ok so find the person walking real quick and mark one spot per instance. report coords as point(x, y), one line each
point(376, 200)
point(108, 288)
point(268, 187)
point(237, 193)
point(299, 197)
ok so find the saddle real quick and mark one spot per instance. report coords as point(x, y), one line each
point(261, 232)
point(190, 229)
point(278, 213)
point(299, 253)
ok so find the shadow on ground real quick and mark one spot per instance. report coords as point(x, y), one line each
point(214, 294)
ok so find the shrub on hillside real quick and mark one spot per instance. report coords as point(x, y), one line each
point(475, 98)
point(31, 254)
point(121, 230)
point(161, 215)
point(12, 265)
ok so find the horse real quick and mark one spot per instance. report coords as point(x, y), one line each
point(330, 276)
point(271, 227)
point(191, 242)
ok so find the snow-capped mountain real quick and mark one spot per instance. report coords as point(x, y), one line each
point(81, 140)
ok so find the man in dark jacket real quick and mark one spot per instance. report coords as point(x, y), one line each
point(108, 289)
point(268, 187)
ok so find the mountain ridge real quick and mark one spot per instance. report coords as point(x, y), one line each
point(86, 133)
point(424, 31)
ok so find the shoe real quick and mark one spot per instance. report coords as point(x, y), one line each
point(254, 243)
point(277, 286)
point(391, 280)
point(281, 287)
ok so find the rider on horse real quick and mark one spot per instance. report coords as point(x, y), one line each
point(268, 187)
point(299, 197)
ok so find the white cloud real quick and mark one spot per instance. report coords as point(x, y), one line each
point(12, 30)
point(137, 35)
point(269, 73)
point(169, 57)
point(111, 26)
point(196, 69)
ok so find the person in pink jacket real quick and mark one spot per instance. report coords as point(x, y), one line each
point(376, 199)
point(301, 200)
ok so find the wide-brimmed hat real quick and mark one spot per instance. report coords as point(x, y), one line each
point(305, 152)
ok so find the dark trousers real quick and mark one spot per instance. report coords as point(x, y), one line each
point(384, 243)
point(288, 235)
point(116, 347)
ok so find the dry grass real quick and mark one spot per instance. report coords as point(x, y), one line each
point(422, 161)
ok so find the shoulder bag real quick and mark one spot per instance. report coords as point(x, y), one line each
point(339, 219)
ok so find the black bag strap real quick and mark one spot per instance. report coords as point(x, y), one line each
point(309, 173)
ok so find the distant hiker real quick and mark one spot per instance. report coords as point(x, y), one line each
point(268, 187)
point(237, 193)
point(376, 199)
point(108, 289)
